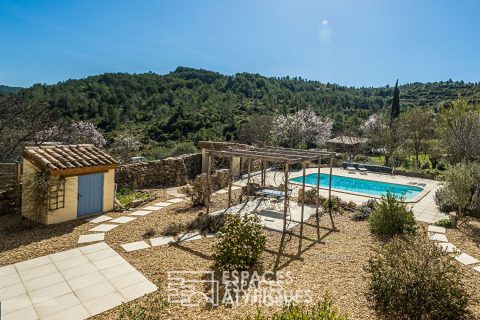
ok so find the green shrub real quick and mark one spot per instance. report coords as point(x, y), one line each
point(444, 202)
point(125, 195)
point(412, 278)
point(241, 243)
point(425, 165)
point(391, 216)
point(323, 310)
point(446, 223)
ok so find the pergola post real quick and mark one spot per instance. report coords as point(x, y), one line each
point(303, 207)
point(230, 179)
point(209, 190)
point(285, 201)
point(317, 213)
point(248, 178)
point(262, 176)
point(330, 192)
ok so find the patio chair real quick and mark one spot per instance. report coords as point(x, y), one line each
point(362, 169)
point(351, 169)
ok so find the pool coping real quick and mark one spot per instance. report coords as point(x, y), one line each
point(415, 199)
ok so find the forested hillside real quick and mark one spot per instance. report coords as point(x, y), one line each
point(192, 105)
point(6, 89)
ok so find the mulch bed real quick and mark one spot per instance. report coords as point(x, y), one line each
point(335, 265)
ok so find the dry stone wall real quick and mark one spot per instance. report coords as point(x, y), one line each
point(169, 172)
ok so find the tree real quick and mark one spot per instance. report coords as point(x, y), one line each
point(382, 136)
point(123, 145)
point(256, 130)
point(20, 120)
point(459, 182)
point(74, 133)
point(459, 129)
point(415, 125)
point(302, 129)
point(395, 111)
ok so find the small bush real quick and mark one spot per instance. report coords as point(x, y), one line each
point(446, 223)
point(310, 196)
point(364, 211)
point(425, 165)
point(173, 229)
point(323, 310)
point(241, 243)
point(444, 202)
point(391, 217)
point(334, 202)
point(149, 233)
point(207, 223)
point(412, 278)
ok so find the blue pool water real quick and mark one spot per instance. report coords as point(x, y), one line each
point(370, 187)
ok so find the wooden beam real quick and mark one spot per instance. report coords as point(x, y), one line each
point(209, 189)
point(303, 208)
point(317, 201)
point(82, 170)
point(230, 178)
point(285, 201)
point(330, 192)
point(255, 156)
point(248, 178)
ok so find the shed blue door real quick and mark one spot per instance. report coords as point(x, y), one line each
point(90, 194)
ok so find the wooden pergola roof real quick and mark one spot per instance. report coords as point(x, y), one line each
point(273, 154)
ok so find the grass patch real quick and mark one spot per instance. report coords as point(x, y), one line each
point(126, 195)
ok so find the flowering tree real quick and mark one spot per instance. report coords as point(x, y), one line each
point(303, 128)
point(123, 145)
point(73, 133)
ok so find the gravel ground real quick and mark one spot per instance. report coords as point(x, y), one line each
point(335, 265)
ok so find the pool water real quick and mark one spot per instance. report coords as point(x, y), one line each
point(370, 187)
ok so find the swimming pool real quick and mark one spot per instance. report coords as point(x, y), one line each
point(369, 187)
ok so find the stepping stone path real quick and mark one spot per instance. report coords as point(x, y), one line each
point(160, 241)
point(101, 219)
point(74, 284)
point(91, 237)
point(436, 233)
point(104, 227)
point(134, 246)
point(122, 220)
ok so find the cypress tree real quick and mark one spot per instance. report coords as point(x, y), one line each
point(395, 112)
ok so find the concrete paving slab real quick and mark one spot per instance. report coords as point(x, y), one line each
point(134, 246)
point(160, 241)
point(448, 247)
point(151, 208)
point(176, 200)
point(91, 237)
point(466, 259)
point(122, 220)
point(100, 219)
point(437, 237)
point(140, 213)
point(104, 227)
point(74, 284)
point(162, 204)
point(436, 229)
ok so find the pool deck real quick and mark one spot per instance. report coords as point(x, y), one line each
point(423, 205)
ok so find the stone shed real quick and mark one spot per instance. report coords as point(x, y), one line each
point(65, 182)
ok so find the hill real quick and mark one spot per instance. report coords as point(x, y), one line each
point(191, 104)
point(6, 89)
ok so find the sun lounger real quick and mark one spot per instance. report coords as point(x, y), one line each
point(351, 169)
point(362, 168)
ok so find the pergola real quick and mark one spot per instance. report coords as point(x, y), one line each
point(276, 155)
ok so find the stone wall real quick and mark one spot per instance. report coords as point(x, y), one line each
point(169, 172)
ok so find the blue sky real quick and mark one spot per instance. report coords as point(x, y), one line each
point(350, 42)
